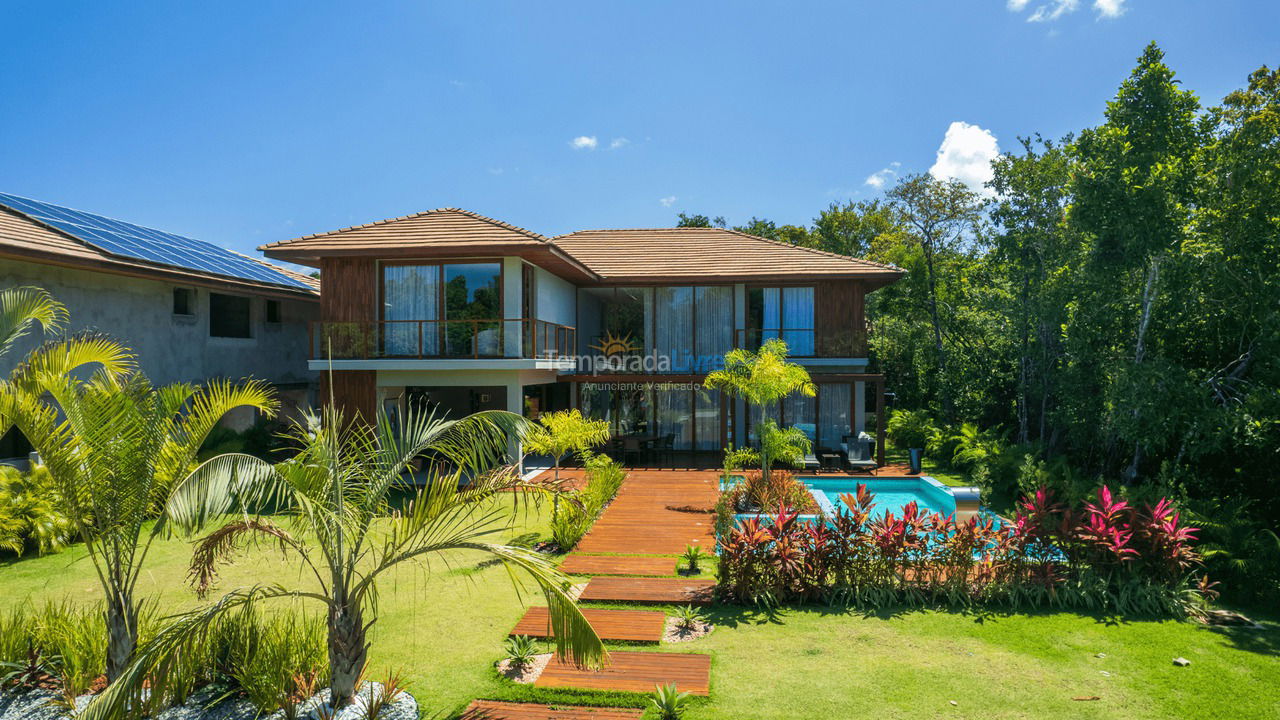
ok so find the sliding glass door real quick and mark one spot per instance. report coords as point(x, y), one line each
point(449, 310)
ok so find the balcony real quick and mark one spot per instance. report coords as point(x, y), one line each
point(474, 339)
point(807, 343)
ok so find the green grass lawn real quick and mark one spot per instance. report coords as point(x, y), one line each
point(444, 626)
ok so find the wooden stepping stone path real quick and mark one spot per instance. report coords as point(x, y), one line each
point(581, 564)
point(625, 625)
point(657, 513)
point(636, 672)
point(677, 591)
point(493, 710)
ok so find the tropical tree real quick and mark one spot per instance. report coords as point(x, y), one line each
point(763, 379)
point(563, 432)
point(116, 449)
point(336, 490)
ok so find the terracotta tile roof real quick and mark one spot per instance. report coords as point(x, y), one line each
point(24, 238)
point(709, 253)
point(440, 228)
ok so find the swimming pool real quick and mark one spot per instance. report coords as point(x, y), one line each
point(891, 494)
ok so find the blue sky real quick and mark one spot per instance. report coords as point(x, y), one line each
point(248, 122)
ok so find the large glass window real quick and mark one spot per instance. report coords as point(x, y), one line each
point(674, 417)
point(785, 313)
point(473, 292)
point(671, 310)
point(467, 324)
point(713, 306)
point(410, 294)
point(834, 404)
point(707, 424)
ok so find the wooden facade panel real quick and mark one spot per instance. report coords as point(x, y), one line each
point(350, 289)
point(838, 318)
point(354, 391)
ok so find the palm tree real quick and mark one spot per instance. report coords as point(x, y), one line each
point(335, 490)
point(559, 433)
point(763, 379)
point(116, 448)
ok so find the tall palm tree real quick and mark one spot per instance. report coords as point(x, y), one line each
point(116, 448)
point(335, 490)
point(763, 379)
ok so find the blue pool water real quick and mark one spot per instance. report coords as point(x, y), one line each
point(891, 494)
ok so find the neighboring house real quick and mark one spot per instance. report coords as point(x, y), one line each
point(189, 309)
point(456, 311)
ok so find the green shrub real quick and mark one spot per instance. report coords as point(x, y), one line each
point(669, 702)
point(576, 511)
point(521, 650)
point(29, 516)
point(910, 428)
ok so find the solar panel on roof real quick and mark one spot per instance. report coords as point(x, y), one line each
point(142, 243)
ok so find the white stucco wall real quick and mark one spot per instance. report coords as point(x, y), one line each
point(170, 348)
point(557, 299)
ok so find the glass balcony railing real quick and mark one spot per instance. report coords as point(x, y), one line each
point(441, 339)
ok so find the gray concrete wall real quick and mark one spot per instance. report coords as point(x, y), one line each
point(170, 348)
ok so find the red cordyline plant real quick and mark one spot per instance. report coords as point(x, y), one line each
point(920, 556)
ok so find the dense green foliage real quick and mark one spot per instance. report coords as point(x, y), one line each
point(1106, 310)
point(274, 660)
point(577, 511)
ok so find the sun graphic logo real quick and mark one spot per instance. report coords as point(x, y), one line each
point(612, 344)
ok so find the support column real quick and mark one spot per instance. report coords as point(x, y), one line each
point(354, 392)
point(515, 404)
point(880, 421)
point(859, 407)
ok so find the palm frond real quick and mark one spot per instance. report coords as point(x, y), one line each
point(26, 306)
point(216, 487)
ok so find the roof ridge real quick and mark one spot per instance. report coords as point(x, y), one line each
point(412, 216)
point(742, 234)
point(813, 250)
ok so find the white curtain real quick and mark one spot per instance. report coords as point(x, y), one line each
point(673, 416)
point(833, 414)
point(771, 323)
point(798, 411)
point(797, 320)
point(673, 326)
point(707, 418)
point(714, 308)
point(412, 292)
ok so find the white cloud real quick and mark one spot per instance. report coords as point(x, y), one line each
point(965, 155)
point(1109, 8)
point(1054, 10)
point(618, 142)
point(881, 177)
point(667, 201)
point(1017, 5)
point(584, 142)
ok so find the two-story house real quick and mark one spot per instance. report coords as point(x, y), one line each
point(460, 312)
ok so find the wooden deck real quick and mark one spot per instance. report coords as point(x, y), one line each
point(581, 564)
point(625, 625)
point(657, 512)
point(493, 710)
point(662, 591)
point(636, 672)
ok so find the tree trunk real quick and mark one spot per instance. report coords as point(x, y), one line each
point(122, 633)
point(348, 651)
point(943, 390)
point(1140, 351)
